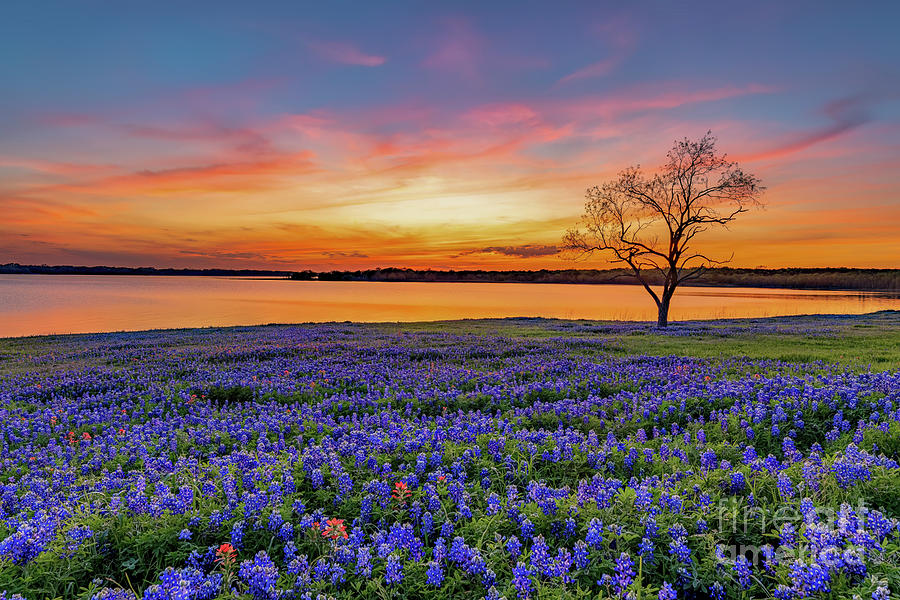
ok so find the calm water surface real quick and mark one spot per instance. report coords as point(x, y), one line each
point(42, 304)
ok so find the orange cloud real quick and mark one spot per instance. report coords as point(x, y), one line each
point(230, 177)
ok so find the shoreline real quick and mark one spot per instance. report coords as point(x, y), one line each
point(487, 321)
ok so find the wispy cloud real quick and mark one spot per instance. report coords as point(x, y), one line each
point(618, 38)
point(524, 251)
point(342, 254)
point(55, 168)
point(845, 114)
point(345, 53)
point(226, 177)
point(243, 140)
point(653, 96)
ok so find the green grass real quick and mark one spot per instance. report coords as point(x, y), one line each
point(879, 350)
point(862, 342)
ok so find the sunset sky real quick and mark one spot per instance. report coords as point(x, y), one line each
point(432, 134)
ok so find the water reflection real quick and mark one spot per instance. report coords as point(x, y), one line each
point(41, 304)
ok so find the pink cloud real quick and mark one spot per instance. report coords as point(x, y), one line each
point(653, 97)
point(54, 168)
point(597, 69)
point(242, 140)
point(845, 114)
point(459, 49)
point(525, 122)
point(494, 115)
point(312, 126)
point(346, 53)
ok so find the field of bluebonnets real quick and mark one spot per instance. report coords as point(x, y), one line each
point(491, 459)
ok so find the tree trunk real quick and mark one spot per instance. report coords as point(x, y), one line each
point(663, 319)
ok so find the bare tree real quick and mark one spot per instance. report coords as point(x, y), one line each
point(650, 221)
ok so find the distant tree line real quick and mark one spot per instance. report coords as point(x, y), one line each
point(17, 269)
point(797, 278)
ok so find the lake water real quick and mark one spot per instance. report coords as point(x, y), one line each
point(43, 304)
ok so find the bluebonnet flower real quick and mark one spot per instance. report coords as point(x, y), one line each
point(667, 592)
point(321, 569)
point(237, 534)
point(364, 561)
point(594, 536)
point(439, 551)
point(527, 529)
point(560, 565)
point(337, 575)
point(393, 570)
point(493, 504)
point(769, 558)
point(750, 456)
point(785, 487)
point(186, 583)
point(522, 580)
point(853, 563)
point(446, 530)
point(742, 571)
point(679, 549)
point(788, 535)
point(299, 565)
point(646, 551)
point(783, 592)
point(290, 551)
point(104, 594)
point(427, 522)
point(881, 593)
point(651, 529)
point(435, 574)
point(581, 555)
point(624, 572)
point(540, 556)
point(327, 401)
point(513, 546)
point(493, 594)
point(810, 579)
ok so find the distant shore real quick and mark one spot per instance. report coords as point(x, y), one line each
point(17, 269)
point(850, 279)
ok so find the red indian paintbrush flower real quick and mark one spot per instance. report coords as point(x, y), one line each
point(335, 529)
point(401, 492)
point(226, 554)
